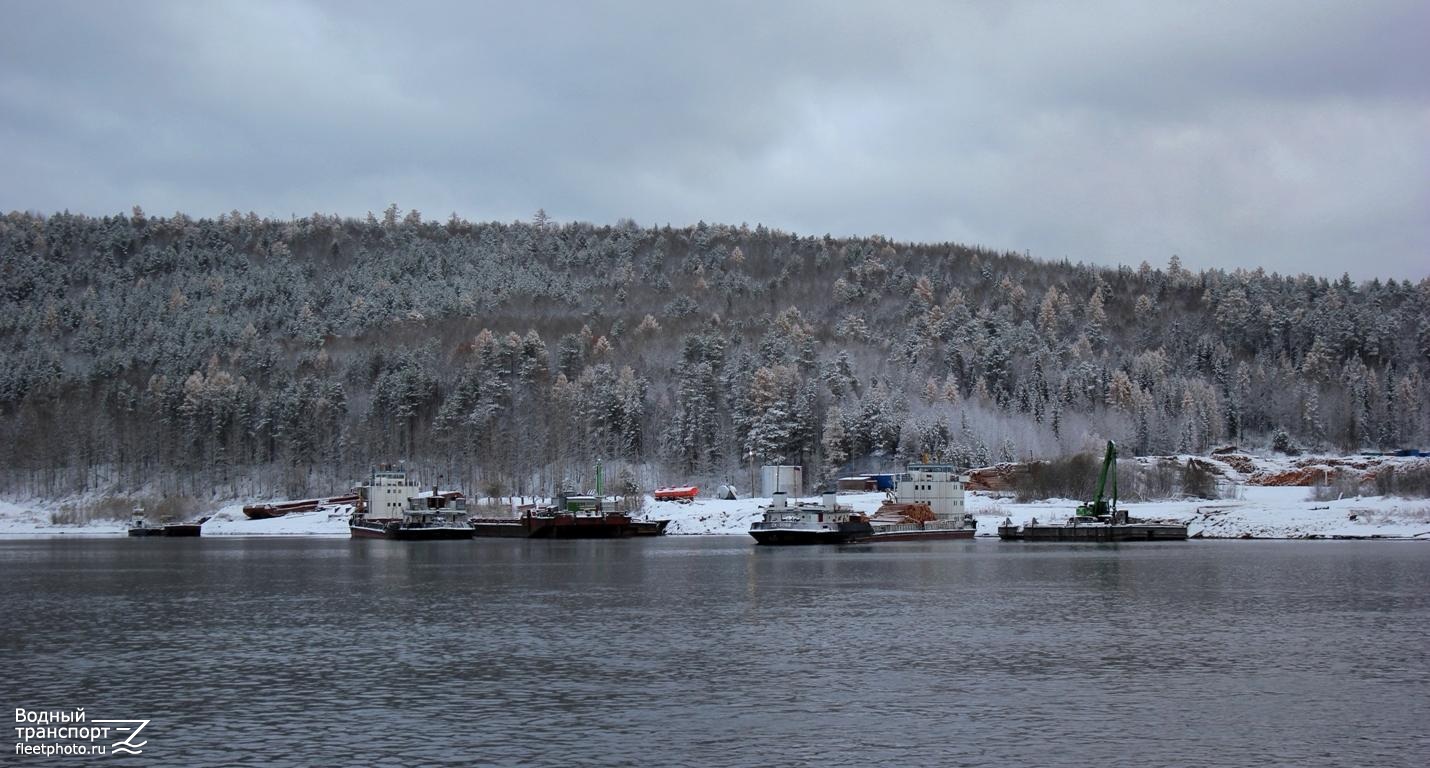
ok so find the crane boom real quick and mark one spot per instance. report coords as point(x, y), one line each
point(1099, 505)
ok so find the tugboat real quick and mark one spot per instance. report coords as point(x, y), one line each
point(821, 522)
point(927, 503)
point(1097, 520)
point(388, 508)
point(139, 525)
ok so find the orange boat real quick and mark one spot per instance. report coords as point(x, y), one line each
point(684, 493)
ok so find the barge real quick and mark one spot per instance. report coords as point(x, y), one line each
point(1098, 520)
point(925, 504)
point(279, 509)
point(575, 517)
point(1119, 528)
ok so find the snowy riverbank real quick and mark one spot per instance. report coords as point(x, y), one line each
point(1257, 512)
point(1261, 512)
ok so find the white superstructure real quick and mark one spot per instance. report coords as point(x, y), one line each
point(386, 493)
point(937, 485)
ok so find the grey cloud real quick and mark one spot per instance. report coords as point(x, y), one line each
point(1293, 136)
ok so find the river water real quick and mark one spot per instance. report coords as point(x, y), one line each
point(712, 651)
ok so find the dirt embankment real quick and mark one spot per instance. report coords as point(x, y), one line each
point(1253, 470)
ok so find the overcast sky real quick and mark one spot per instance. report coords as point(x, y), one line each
point(1289, 135)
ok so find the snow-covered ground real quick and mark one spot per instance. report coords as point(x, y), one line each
point(1277, 513)
point(32, 518)
point(1255, 510)
point(323, 521)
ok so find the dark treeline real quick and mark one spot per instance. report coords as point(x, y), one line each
point(247, 356)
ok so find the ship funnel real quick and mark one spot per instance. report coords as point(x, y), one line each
point(829, 500)
point(777, 499)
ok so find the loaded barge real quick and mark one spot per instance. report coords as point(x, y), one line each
point(927, 503)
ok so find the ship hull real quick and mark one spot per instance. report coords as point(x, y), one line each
point(846, 534)
point(565, 527)
point(397, 532)
point(513, 529)
point(1094, 533)
point(648, 527)
point(180, 530)
point(926, 535)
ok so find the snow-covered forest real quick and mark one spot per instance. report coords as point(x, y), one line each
point(247, 355)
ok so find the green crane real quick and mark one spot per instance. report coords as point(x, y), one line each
point(1099, 505)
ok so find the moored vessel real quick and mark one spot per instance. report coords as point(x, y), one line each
point(139, 525)
point(821, 522)
point(279, 509)
point(927, 503)
point(574, 517)
point(648, 527)
point(1119, 527)
point(390, 508)
point(1098, 520)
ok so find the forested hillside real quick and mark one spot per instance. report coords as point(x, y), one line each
point(243, 355)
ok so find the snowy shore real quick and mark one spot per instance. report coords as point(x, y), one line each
point(1257, 512)
point(1268, 498)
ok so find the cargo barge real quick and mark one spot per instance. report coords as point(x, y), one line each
point(1084, 530)
point(925, 504)
point(1098, 520)
point(575, 517)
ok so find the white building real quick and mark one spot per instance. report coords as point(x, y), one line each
point(781, 478)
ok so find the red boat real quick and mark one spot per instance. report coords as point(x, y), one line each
point(684, 493)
